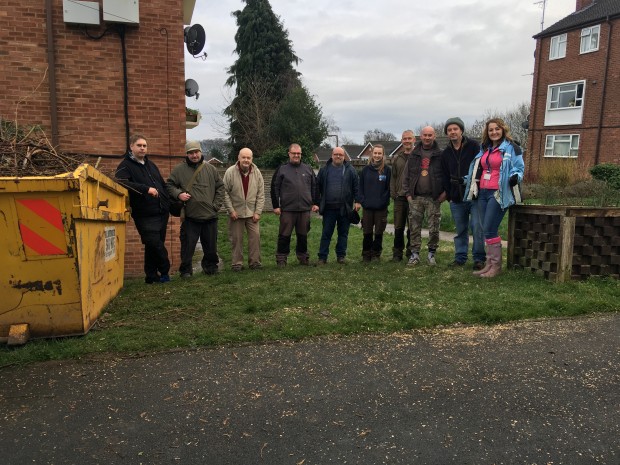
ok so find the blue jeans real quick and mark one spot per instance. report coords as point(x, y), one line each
point(330, 219)
point(465, 216)
point(491, 214)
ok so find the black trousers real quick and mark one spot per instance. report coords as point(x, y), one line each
point(152, 230)
point(206, 231)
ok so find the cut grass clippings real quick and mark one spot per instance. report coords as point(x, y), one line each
point(299, 302)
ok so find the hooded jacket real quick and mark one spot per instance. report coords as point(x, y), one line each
point(138, 178)
point(512, 163)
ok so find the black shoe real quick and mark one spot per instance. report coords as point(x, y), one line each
point(478, 266)
point(341, 260)
point(456, 263)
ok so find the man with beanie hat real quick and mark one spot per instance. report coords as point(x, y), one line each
point(455, 161)
point(198, 184)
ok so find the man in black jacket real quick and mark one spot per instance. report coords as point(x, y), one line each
point(423, 186)
point(150, 204)
point(294, 194)
point(455, 161)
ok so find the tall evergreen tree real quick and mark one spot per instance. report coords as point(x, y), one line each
point(266, 81)
point(263, 72)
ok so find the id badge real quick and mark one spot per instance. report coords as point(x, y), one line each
point(487, 176)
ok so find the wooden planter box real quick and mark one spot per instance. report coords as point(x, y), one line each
point(563, 243)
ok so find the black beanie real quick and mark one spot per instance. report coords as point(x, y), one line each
point(456, 120)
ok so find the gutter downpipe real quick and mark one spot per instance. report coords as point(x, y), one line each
point(51, 65)
point(534, 110)
point(604, 94)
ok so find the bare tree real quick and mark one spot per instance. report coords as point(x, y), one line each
point(252, 118)
point(379, 135)
point(514, 118)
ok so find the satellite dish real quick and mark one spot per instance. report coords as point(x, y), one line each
point(195, 39)
point(191, 88)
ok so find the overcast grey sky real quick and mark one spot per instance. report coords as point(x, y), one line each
point(387, 64)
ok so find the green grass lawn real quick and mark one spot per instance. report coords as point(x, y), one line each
point(298, 302)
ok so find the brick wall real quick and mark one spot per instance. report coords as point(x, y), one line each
point(573, 67)
point(89, 85)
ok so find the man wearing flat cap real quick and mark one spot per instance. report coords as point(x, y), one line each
point(198, 184)
point(455, 161)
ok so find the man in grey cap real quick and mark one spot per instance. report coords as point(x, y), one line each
point(198, 184)
point(455, 161)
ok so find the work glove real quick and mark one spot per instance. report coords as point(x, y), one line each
point(513, 180)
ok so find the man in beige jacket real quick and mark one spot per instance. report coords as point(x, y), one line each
point(245, 200)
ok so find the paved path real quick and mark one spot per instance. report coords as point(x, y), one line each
point(539, 392)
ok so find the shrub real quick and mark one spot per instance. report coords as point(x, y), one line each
point(607, 172)
point(561, 172)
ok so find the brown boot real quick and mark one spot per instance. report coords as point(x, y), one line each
point(494, 255)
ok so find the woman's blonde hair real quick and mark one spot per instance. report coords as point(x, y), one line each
point(486, 141)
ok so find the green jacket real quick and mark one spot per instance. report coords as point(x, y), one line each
point(207, 191)
point(398, 175)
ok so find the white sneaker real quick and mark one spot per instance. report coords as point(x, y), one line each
point(431, 259)
point(413, 260)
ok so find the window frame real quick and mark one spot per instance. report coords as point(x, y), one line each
point(586, 37)
point(573, 149)
point(556, 45)
point(578, 101)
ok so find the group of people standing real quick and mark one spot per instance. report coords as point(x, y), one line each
point(480, 181)
point(198, 185)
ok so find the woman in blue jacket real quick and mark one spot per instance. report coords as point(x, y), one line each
point(375, 198)
point(493, 182)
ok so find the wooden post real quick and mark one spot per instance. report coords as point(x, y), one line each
point(565, 259)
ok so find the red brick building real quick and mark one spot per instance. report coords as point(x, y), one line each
point(575, 111)
point(92, 73)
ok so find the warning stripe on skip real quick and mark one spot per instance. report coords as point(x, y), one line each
point(41, 227)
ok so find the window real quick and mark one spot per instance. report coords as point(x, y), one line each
point(562, 145)
point(566, 95)
point(558, 47)
point(589, 39)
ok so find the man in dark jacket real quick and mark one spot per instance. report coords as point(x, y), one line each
point(294, 195)
point(149, 203)
point(339, 189)
point(455, 161)
point(401, 206)
point(423, 186)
